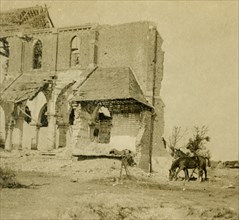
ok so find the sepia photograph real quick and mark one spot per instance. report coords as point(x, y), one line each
point(119, 110)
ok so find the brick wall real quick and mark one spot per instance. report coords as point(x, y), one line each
point(15, 56)
point(124, 130)
point(48, 52)
point(128, 45)
point(125, 124)
point(87, 48)
point(125, 45)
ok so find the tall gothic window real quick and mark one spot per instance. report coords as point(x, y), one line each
point(4, 54)
point(75, 51)
point(37, 55)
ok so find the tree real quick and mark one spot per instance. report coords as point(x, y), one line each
point(175, 137)
point(197, 144)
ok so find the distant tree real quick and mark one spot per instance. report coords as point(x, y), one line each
point(197, 144)
point(176, 136)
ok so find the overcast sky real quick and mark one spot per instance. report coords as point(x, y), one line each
point(200, 85)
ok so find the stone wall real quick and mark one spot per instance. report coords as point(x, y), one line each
point(158, 125)
point(144, 141)
point(80, 133)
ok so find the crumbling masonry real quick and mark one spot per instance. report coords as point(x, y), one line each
point(89, 88)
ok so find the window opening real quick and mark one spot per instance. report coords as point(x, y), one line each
point(75, 52)
point(102, 128)
point(72, 117)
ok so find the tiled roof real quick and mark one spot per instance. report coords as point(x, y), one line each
point(111, 84)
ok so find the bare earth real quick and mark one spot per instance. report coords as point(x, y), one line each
point(90, 189)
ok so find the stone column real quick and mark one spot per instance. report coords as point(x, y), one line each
point(6, 130)
point(62, 134)
point(18, 132)
point(51, 116)
point(92, 127)
point(34, 140)
point(77, 124)
point(9, 129)
point(51, 138)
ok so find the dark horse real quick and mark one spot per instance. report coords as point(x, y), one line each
point(185, 163)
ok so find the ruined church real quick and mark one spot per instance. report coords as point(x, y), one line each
point(89, 88)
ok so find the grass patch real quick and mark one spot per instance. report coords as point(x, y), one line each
point(8, 179)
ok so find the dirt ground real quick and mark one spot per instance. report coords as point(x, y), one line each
point(90, 189)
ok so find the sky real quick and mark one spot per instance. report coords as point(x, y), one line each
point(200, 84)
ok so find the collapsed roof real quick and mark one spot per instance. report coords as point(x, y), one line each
point(32, 17)
point(24, 87)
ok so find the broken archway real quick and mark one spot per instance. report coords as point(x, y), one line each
point(35, 123)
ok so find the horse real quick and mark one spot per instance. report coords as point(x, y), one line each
point(185, 163)
point(178, 153)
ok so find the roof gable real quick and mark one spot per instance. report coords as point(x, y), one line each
point(111, 84)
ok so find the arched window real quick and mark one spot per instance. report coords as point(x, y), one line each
point(37, 55)
point(75, 51)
